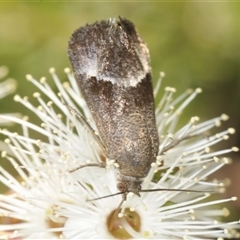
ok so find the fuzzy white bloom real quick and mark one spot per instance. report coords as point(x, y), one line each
point(9, 85)
point(49, 201)
point(6, 87)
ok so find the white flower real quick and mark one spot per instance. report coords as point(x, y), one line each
point(7, 87)
point(50, 193)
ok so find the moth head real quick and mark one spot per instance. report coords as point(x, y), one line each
point(129, 184)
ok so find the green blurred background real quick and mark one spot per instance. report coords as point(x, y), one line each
point(197, 44)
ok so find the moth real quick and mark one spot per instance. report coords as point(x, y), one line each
point(111, 64)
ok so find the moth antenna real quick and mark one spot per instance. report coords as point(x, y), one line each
point(107, 196)
point(174, 190)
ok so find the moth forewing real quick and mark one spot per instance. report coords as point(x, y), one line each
point(111, 65)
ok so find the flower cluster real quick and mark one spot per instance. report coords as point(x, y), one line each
point(48, 199)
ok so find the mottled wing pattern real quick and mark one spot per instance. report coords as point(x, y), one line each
point(111, 64)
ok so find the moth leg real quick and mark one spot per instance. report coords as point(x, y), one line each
point(115, 215)
point(101, 165)
point(175, 142)
point(84, 121)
